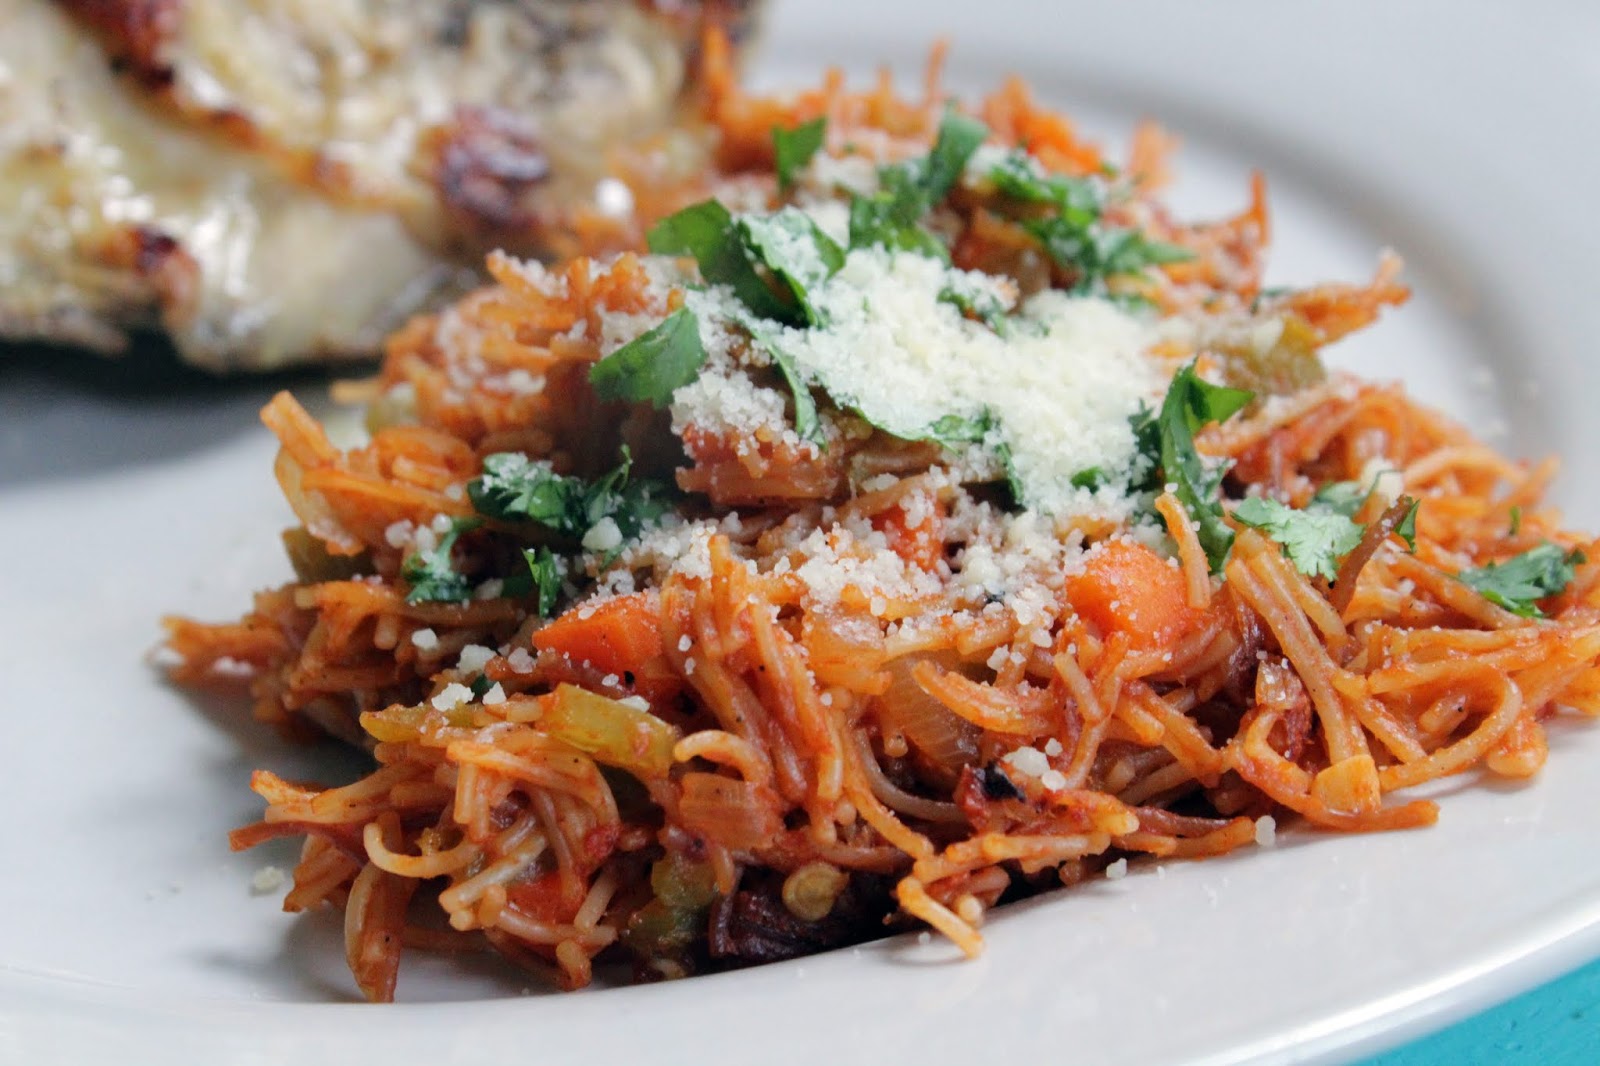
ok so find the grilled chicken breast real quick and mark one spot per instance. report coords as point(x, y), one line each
point(270, 181)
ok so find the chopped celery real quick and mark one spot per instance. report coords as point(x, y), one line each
point(613, 732)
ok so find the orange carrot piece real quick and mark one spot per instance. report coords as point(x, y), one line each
point(620, 636)
point(1125, 587)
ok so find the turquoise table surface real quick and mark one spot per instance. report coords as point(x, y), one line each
point(1555, 1025)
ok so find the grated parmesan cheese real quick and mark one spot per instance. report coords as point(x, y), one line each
point(1061, 385)
point(267, 879)
point(474, 657)
point(452, 696)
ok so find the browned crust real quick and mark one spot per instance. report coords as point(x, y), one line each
point(160, 260)
point(484, 163)
point(135, 33)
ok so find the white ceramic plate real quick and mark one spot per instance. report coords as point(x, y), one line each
point(1459, 133)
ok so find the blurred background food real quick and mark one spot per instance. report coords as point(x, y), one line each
point(277, 181)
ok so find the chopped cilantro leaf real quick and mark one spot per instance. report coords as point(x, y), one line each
point(1002, 452)
point(1073, 235)
point(516, 489)
point(892, 217)
point(976, 302)
point(545, 570)
point(1021, 178)
point(1406, 528)
point(795, 250)
point(432, 574)
point(1092, 479)
point(655, 364)
point(1211, 403)
point(806, 421)
point(1190, 403)
point(1522, 580)
point(1128, 251)
point(794, 148)
point(958, 429)
point(1314, 541)
point(1340, 497)
point(707, 232)
point(959, 136)
point(480, 686)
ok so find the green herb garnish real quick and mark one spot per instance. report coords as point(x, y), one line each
point(545, 570)
point(1340, 497)
point(799, 254)
point(959, 136)
point(892, 217)
point(1092, 479)
point(1192, 402)
point(1406, 528)
point(655, 364)
point(514, 488)
point(959, 429)
point(1314, 541)
point(1073, 235)
point(1518, 583)
point(707, 232)
point(794, 148)
point(977, 302)
point(432, 574)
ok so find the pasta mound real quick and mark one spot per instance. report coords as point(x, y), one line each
point(669, 656)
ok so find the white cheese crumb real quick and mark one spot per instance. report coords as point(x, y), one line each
point(638, 703)
point(520, 661)
point(684, 643)
point(1266, 831)
point(398, 534)
point(688, 668)
point(267, 879)
point(474, 657)
point(998, 657)
point(1117, 870)
point(1053, 779)
point(452, 696)
point(425, 639)
point(495, 695)
point(1052, 747)
point(611, 681)
point(1030, 761)
point(603, 536)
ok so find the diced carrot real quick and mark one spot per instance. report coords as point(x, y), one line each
point(1124, 587)
point(620, 636)
point(921, 545)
